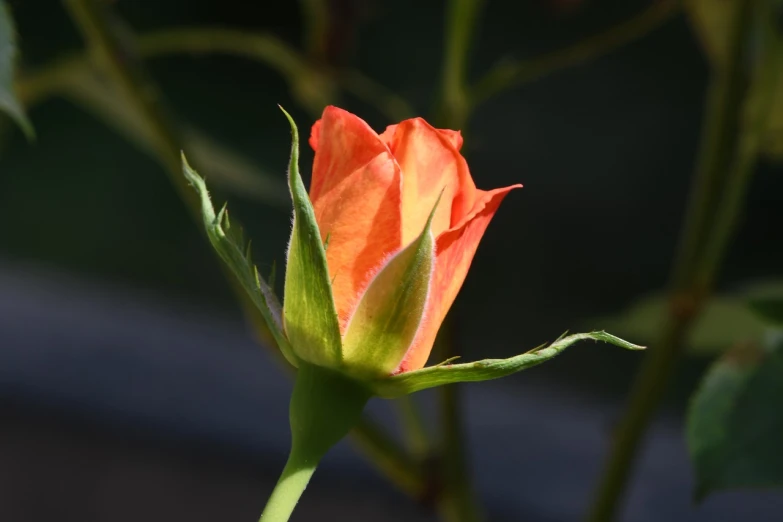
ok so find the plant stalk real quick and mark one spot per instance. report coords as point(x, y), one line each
point(289, 488)
point(325, 406)
point(722, 160)
point(453, 107)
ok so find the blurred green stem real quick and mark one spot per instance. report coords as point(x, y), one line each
point(509, 74)
point(315, 15)
point(399, 466)
point(105, 43)
point(111, 43)
point(413, 428)
point(731, 136)
point(461, 17)
point(765, 86)
point(458, 502)
point(265, 48)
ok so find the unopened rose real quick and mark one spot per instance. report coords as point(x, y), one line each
point(372, 195)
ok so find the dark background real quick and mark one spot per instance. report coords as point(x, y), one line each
point(130, 388)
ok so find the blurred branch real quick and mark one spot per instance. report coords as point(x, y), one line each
point(413, 427)
point(262, 47)
point(395, 464)
point(509, 74)
point(453, 106)
point(458, 502)
point(312, 88)
point(278, 55)
point(729, 152)
point(315, 14)
point(765, 87)
point(116, 55)
point(108, 41)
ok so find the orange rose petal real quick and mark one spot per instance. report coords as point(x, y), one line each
point(355, 191)
point(454, 137)
point(388, 135)
point(455, 250)
point(430, 163)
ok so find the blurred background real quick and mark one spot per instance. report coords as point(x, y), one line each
point(131, 387)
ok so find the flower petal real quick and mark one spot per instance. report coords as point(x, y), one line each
point(430, 163)
point(455, 250)
point(355, 191)
point(454, 137)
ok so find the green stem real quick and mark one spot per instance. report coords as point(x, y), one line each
point(722, 159)
point(458, 501)
point(509, 74)
point(397, 465)
point(325, 406)
point(765, 86)
point(293, 481)
point(413, 428)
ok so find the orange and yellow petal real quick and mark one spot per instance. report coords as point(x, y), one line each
point(430, 163)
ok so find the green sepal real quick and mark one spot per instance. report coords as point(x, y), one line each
point(391, 309)
point(227, 240)
point(8, 51)
point(410, 382)
point(309, 313)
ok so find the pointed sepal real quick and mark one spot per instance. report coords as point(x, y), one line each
point(387, 318)
point(410, 382)
point(309, 313)
point(229, 243)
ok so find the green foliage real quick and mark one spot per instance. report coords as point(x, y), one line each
point(8, 51)
point(735, 423)
point(725, 320)
point(386, 320)
point(230, 245)
point(486, 369)
point(309, 314)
